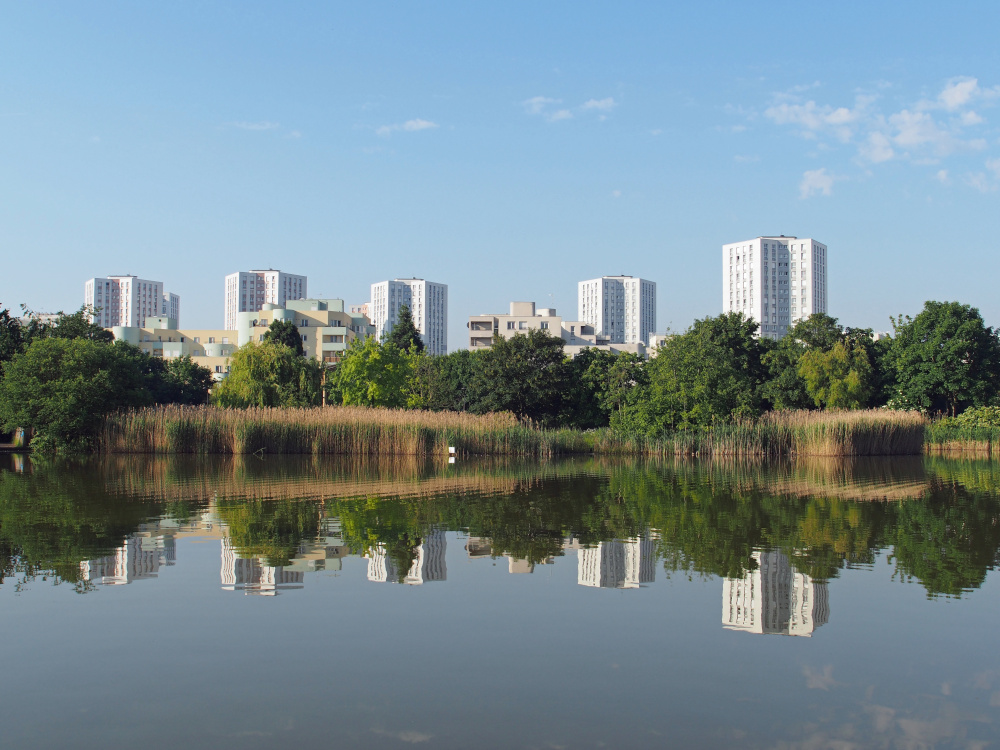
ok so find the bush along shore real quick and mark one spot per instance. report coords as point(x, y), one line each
point(366, 431)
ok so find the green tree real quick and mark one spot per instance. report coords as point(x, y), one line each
point(77, 326)
point(713, 371)
point(785, 388)
point(184, 382)
point(62, 387)
point(840, 378)
point(945, 359)
point(598, 384)
point(269, 374)
point(375, 374)
point(445, 383)
point(11, 337)
point(526, 375)
point(404, 334)
point(287, 333)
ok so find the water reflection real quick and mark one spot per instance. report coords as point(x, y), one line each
point(774, 599)
point(783, 527)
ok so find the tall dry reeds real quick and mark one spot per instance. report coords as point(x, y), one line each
point(359, 431)
point(327, 431)
point(871, 432)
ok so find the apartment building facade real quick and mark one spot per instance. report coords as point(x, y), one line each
point(160, 337)
point(619, 308)
point(326, 329)
point(776, 281)
point(127, 300)
point(524, 316)
point(249, 291)
point(428, 303)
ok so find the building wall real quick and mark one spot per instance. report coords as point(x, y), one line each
point(326, 330)
point(170, 307)
point(249, 291)
point(210, 348)
point(523, 317)
point(777, 281)
point(428, 303)
point(620, 308)
point(123, 300)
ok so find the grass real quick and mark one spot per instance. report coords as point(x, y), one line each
point(358, 431)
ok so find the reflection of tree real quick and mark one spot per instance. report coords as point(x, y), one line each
point(947, 541)
point(271, 529)
point(60, 515)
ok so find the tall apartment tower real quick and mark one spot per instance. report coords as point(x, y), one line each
point(620, 308)
point(428, 303)
point(248, 291)
point(170, 307)
point(777, 281)
point(126, 300)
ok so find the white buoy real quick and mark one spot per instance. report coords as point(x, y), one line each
point(451, 449)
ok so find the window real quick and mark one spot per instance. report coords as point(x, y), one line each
point(197, 339)
point(510, 325)
point(545, 325)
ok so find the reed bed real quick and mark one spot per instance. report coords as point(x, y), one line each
point(359, 431)
point(328, 431)
point(946, 436)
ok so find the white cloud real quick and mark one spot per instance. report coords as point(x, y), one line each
point(604, 105)
point(656, 131)
point(536, 104)
point(979, 181)
point(971, 118)
point(877, 149)
point(616, 193)
point(815, 181)
point(257, 125)
point(994, 166)
point(408, 735)
point(414, 125)
point(562, 114)
point(410, 126)
point(294, 134)
point(814, 118)
point(958, 92)
point(942, 177)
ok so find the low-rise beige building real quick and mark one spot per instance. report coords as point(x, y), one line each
point(577, 334)
point(326, 329)
point(160, 337)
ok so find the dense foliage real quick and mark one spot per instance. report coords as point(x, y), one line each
point(404, 334)
point(60, 379)
point(269, 374)
point(287, 333)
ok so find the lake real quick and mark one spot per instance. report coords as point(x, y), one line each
point(279, 602)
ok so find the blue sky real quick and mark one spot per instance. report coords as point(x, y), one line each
point(508, 150)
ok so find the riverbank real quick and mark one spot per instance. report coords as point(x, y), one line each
point(362, 431)
point(946, 437)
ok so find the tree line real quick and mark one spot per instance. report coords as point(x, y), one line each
point(942, 361)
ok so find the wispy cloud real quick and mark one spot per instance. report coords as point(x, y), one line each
point(410, 126)
point(815, 181)
point(924, 131)
point(257, 125)
point(740, 159)
point(603, 105)
point(550, 109)
point(408, 735)
point(537, 104)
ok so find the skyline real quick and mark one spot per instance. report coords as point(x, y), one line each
point(507, 152)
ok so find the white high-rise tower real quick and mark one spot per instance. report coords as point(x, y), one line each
point(127, 300)
point(428, 303)
point(777, 281)
point(249, 291)
point(621, 308)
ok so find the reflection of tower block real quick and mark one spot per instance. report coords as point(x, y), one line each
point(429, 565)
point(774, 598)
point(252, 577)
point(137, 558)
point(622, 565)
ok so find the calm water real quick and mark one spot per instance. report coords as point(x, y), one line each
point(280, 603)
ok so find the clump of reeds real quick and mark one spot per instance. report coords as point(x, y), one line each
point(871, 432)
point(329, 430)
point(951, 436)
